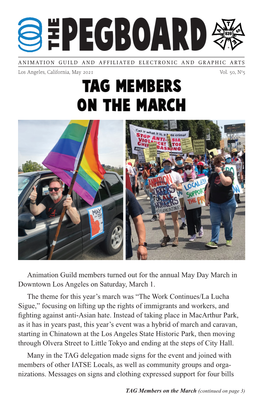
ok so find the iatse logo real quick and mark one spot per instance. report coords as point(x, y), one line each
point(228, 34)
point(30, 34)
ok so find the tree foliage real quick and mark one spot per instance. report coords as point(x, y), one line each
point(31, 166)
point(198, 130)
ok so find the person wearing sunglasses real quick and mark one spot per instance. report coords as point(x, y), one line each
point(220, 197)
point(54, 202)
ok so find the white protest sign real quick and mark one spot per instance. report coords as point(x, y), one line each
point(96, 221)
point(142, 137)
point(194, 193)
point(164, 195)
point(141, 157)
point(235, 186)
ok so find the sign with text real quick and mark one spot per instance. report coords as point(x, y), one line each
point(164, 155)
point(235, 186)
point(194, 193)
point(153, 150)
point(142, 137)
point(141, 156)
point(164, 195)
point(235, 128)
point(186, 145)
point(199, 147)
point(146, 154)
point(96, 221)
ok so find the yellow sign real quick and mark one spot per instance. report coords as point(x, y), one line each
point(186, 144)
point(152, 150)
point(199, 147)
point(164, 155)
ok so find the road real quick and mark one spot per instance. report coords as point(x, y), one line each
point(191, 250)
point(96, 253)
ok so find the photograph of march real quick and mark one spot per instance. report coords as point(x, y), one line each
point(70, 205)
point(185, 182)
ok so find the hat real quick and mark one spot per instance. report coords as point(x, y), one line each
point(234, 150)
point(178, 156)
point(227, 156)
point(188, 161)
point(167, 159)
point(200, 163)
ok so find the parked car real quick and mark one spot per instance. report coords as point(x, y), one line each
point(36, 234)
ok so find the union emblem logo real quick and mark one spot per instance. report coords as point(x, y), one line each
point(228, 34)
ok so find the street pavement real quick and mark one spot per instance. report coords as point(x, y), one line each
point(190, 250)
point(97, 253)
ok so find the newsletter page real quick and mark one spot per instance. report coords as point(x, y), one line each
point(125, 282)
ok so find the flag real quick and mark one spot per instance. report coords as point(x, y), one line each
point(63, 159)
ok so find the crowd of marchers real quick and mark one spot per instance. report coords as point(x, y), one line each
point(219, 196)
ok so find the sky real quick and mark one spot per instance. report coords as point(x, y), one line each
point(222, 123)
point(36, 138)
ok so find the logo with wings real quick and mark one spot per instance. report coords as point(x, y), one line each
point(228, 34)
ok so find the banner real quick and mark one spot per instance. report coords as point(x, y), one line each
point(194, 193)
point(142, 137)
point(164, 195)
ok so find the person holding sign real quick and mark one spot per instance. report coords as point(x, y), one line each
point(175, 184)
point(193, 216)
point(179, 167)
point(220, 197)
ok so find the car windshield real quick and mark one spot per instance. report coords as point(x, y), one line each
point(22, 183)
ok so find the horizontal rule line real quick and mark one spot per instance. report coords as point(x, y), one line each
point(128, 66)
point(125, 57)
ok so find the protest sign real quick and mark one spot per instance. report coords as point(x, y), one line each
point(141, 156)
point(164, 155)
point(169, 140)
point(96, 221)
point(152, 151)
point(214, 151)
point(131, 160)
point(199, 147)
point(141, 137)
point(186, 145)
point(146, 155)
point(194, 193)
point(164, 195)
point(237, 189)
